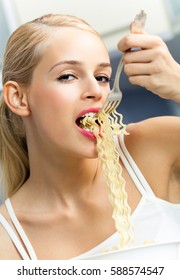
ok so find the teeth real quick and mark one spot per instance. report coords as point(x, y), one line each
point(87, 129)
point(90, 114)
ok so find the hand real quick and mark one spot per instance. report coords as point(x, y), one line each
point(152, 67)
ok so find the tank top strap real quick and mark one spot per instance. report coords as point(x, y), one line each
point(14, 238)
point(20, 230)
point(133, 170)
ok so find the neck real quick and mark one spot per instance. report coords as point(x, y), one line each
point(64, 179)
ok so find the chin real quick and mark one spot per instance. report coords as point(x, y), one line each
point(89, 153)
point(92, 155)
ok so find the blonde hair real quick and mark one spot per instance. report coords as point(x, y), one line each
point(23, 53)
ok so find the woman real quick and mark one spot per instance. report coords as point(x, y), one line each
point(56, 69)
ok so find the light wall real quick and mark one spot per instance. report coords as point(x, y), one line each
point(111, 18)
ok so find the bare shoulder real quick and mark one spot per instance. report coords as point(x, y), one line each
point(154, 144)
point(158, 132)
point(7, 249)
point(156, 126)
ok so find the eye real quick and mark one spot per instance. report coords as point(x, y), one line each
point(66, 78)
point(103, 79)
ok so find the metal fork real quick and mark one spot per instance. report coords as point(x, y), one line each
point(115, 96)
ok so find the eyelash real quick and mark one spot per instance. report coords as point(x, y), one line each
point(65, 78)
point(106, 79)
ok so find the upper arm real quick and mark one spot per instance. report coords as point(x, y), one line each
point(154, 144)
point(161, 134)
point(167, 135)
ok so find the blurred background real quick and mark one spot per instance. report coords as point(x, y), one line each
point(111, 18)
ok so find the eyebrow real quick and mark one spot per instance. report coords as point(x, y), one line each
point(77, 62)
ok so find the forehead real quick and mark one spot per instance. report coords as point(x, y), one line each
point(72, 43)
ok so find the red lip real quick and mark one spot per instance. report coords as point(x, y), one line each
point(86, 133)
point(93, 110)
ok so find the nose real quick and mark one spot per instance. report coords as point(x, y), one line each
point(92, 89)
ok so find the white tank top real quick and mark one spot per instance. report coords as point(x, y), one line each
point(156, 224)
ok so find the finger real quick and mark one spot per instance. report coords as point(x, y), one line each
point(136, 69)
point(136, 30)
point(141, 80)
point(142, 41)
point(140, 56)
point(150, 82)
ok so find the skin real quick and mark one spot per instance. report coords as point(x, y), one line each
point(153, 67)
point(66, 195)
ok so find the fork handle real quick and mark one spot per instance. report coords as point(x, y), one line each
point(118, 72)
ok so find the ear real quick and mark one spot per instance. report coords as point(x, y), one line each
point(16, 98)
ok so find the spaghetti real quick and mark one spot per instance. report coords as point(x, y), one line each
point(104, 127)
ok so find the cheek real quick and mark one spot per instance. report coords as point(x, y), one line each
point(50, 101)
point(51, 113)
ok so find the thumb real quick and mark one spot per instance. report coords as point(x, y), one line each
point(136, 28)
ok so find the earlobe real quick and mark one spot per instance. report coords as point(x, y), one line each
point(16, 99)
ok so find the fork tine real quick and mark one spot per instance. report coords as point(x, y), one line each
point(111, 106)
point(108, 108)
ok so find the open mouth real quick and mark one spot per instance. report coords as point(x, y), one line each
point(87, 121)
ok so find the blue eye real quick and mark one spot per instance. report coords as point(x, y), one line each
point(103, 79)
point(66, 78)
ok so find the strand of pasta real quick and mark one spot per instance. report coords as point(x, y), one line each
point(109, 156)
